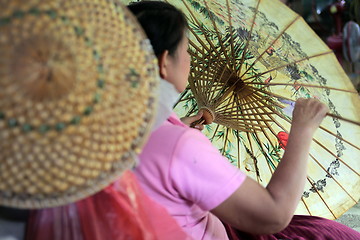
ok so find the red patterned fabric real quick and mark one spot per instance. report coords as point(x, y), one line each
point(121, 211)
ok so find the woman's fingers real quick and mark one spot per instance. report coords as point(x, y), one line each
point(309, 113)
point(189, 120)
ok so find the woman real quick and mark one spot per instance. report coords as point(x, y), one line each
point(180, 169)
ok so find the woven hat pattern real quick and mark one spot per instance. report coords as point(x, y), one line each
point(77, 87)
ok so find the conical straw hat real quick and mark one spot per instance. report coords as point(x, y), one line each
point(77, 85)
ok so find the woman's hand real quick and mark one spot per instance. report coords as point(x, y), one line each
point(189, 120)
point(308, 114)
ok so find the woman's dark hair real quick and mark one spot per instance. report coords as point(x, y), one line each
point(163, 24)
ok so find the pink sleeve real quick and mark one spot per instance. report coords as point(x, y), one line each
point(201, 174)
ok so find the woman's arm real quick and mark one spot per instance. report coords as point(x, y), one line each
point(255, 209)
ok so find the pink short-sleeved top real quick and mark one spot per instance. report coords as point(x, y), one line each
point(180, 169)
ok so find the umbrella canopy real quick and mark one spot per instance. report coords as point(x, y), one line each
point(251, 60)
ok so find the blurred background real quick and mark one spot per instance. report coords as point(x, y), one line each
point(337, 23)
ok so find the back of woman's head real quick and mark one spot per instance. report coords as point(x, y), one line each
point(164, 24)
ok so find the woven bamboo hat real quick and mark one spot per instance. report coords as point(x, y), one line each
point(77, 87)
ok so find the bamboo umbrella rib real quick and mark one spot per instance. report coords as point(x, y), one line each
point(260, 145)
point(205, 54)
point(251, 114)
point(199, 80)
point(204, 74)
point(282, 117)
point(301, 85)
point(246, 113)
point(229, 77)
point(249, 127)
point(209, 76)
point(238, 134)
point(186, 91)
point(202, 59)
point(277, 123)
point(191, 111)
point(252, 94)
point(201, 75)
point(328, 114)
point(265, 133)
point(251, 151)
point(340, 138)
point(238, 147)
point(253, 90)
point(259, 98)
point(231, 33)
point(332, 177)
point(253, 105)
point(220, 95)
point(268, 159)
point(331, 153)
point(246, 121)
point(268, 126)
point(212, 138)
point(184, 99)
point(269, 99)
point(223, 105)
point(202, 43)
point(240, 118)
point(194, 18)
point(257, 115)
point(188, 98)
point(217, 33)
point(211, 71)
point(197, 48)
point(318, 193)
point(256, 90)
point(193, 88)
point(249, 37)
point(271, 44)
point(263, 107)
point(288, 64)
point(230, 110)
point(343, 119)
point(224, 52)
point(197, 90)
point(226, 137)
point(306, 206)
point(233, 103)
point(245, 129)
